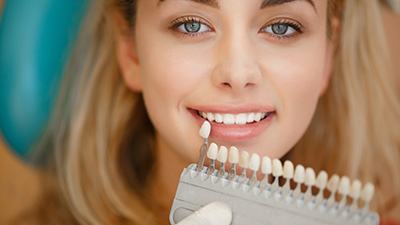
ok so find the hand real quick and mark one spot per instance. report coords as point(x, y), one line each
point(215, 213)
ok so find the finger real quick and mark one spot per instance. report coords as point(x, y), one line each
point(215, 213)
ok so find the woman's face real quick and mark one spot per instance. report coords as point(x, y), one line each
point(255, 69)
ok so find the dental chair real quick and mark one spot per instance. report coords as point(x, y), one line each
point(36, 39)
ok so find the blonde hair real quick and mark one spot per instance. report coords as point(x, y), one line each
point(104, 140)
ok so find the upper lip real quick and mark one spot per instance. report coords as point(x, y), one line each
point(232, 109)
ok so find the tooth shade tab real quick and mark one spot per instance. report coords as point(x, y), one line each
point(266, 165)
point(355, 190)
point(229, 118)
point(344, 186)
point(322, 180)
point(212, 152)
point(244, 159)
point(277, 169)
point(233, 155)
point(288, 169)
point(254, 162)
point(299, 174)
point(205, 130)
point(310, 177)
point(367, 192)
point(333, 183)
point(222, 154)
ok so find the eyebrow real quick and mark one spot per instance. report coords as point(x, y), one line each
point(264, 4)
point(272, 3)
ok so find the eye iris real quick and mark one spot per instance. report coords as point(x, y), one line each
point(279, 28)
point(192, 27)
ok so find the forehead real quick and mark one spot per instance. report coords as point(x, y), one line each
point(263, 3)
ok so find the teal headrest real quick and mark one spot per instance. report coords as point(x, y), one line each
point(36, 39)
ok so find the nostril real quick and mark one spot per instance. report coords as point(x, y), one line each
point(227, 84)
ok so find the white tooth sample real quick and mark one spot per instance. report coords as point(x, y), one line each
point(310, 177)
point(222, 154)
point(299, 174)
point(233, 159)
point(250, 117)
point(309, 181)
point(233, 155)
point(266, 169)
point(344, 190)
point(218, 118)
point(333, 183)
point(210, 117)
point(244, 159)
point(255, 166)
point(205, 130)
point(257, 117)
point(228, 119)
point(288, 170)
point(254, 162)
point(212, 152)
point(299, 177)
point(277, 169)
point(266, 165)
point(344, 186)
point(241, 119)
point(355, 192)
point(332, 186)
point(321, 182)
point(367, 192)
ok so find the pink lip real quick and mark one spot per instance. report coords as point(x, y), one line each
point(234, 132)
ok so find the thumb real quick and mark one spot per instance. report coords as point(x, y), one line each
point(215, 213)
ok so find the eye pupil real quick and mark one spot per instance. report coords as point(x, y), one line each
point(280, 28)
point(192, 27)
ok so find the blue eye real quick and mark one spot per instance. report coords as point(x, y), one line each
point(193, 27)
point(280, 29)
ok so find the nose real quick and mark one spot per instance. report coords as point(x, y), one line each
point(236, 68)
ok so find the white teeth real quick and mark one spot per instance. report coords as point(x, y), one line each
point(241, 119)
point(322, 180)
point(218, 118)
point(333, 183)
point(310, 177)
point(355, 190)
point(210, 117)
point(233, 155)
point(344, 186)
point(367, 192)
point(227, 118)
point(299, 174)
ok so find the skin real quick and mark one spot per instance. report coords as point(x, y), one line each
point(232, 65)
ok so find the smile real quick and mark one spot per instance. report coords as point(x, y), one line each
point(228, 119)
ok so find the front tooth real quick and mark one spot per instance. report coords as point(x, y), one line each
point(229, 119)
point(250, 117)
point(210, 117)
point(257, 117)
point(218, 118)
point(241, 119)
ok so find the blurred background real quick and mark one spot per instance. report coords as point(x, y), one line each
point(19, 181)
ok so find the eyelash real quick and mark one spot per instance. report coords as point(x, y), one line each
point(175, 24)
point(295, 25)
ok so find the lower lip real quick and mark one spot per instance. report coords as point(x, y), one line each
point(234, 132)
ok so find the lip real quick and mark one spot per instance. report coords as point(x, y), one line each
point(234, 132)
